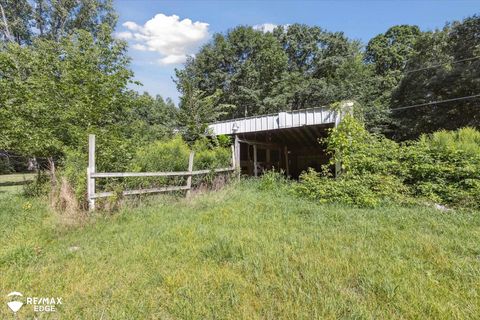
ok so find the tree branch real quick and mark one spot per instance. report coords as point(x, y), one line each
point(7, 30)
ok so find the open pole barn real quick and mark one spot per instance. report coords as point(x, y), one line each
point(288, 141)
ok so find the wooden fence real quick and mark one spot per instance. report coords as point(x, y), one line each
point(92, 175)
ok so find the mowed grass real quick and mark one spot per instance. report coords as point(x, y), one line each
point(242, 253)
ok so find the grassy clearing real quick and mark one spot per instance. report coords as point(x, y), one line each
point(12, 183)
point(245, 253)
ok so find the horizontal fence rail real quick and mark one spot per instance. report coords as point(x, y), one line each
point(157, 174)
point(92, 175)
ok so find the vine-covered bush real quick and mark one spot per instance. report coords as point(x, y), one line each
point(443, 167)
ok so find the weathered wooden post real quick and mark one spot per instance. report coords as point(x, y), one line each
point(90, 172)
point(190, 169)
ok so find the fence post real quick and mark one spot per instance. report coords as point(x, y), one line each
point(90, 171)
point(190, 169)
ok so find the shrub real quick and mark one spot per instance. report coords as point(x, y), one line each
point(442, 167)
point(367, 190)
point(445, 167)
point(38, 187)
point(360, 152)
point(272, 181)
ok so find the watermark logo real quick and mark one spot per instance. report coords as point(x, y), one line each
point(38, 304)
point(15, 305)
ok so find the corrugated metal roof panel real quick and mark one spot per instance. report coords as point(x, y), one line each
point(289, 119)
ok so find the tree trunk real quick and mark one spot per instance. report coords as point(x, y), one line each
point(51, 168)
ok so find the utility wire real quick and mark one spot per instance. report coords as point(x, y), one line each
point(436, 102)
point(442, 64)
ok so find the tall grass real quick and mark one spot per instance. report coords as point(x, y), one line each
point(245, 253)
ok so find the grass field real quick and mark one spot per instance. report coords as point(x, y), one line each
point(242, 253)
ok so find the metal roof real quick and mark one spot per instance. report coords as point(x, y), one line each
point(281, 120)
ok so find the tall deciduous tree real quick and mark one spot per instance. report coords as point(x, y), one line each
point(52, 94)
point(446, 66)
point(289, 68)
point(23, 20)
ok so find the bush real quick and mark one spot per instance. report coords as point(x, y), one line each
point(443, 167)
point(367, 190)
point(40, 186)
point(273, 181)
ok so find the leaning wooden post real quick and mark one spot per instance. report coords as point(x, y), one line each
point(90, 172)
point(190, 169)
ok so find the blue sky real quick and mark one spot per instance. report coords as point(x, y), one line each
point(161, 33)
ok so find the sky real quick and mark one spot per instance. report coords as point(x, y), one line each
point(161, 34)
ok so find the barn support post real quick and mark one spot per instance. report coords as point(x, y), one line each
point(269, 164)
point(255, 169)
point(237, 155)
point(90, 171)
point(285, 150)
point(190, 169)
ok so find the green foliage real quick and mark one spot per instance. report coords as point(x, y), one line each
point(443, 167)
point(27, 20)
point(273, 181)
point(168, 155)
point(289, 68)
point(360, 152)
point(208, 156)
point(5, 166)
point(454, 52)
point(364, 190)
point(53, 93)
point(197, 110)
point(40, 186)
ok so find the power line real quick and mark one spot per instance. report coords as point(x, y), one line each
point(436, 102)
point(442, 64)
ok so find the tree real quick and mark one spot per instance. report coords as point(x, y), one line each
point(390, 51)
point(287, 69)
point(15, 20)
point(152, 118)
point(23, 20)
point(52, 94)
point(445, 66)
point(244, 65)
point(197, 110)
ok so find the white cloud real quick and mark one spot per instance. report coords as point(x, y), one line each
point(125, 35)
point(265, 27)
point(173, 59)
point(172, 38)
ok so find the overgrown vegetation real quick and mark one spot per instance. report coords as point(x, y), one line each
point(244, 252)
point(161, 156)
point(443, 168)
